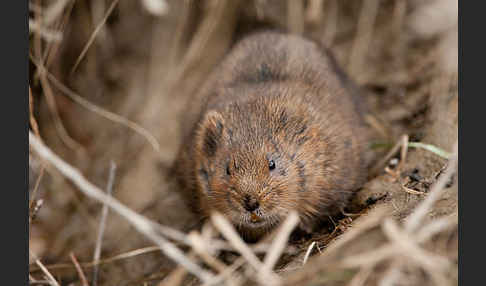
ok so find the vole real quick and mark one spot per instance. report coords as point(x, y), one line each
point(278, 127)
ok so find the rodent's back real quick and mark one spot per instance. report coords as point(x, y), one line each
point(280, 99)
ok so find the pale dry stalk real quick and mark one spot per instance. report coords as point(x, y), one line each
point(142, 224)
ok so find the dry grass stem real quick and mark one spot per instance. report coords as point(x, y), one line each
point(53, 47)
point(400, 144)
point(101, 229)
point(377, 125)
point(140, 223)
point(279, 243)
point(370, 257)
point(35, 128)
point(332, 14)
point(93, 35)
point(367, 222)
point(176, 276)
point(360, 278)
point(81, 275)
point(313, 12)
point(102, 112)
point(118, 257)
point(412, 191)
point(228, 231)
point(393, 274)
point(208, 29)
point(32, 121)
point(308, 252)
point(226, 273)
point(46, 272)
point(408, 247)
point(364, 35)
point(34, 210)
point(47, 34)
point(436, 226)
point(156, 7)
point(295, 16)
point(200, 247)
point(403, 153)
point(54, 11)
point(51, 104)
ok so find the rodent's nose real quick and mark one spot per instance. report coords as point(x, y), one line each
point(250, 203)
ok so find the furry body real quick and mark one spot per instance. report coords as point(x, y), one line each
point(277, 127)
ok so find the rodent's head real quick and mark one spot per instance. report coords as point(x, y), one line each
point(251, 164)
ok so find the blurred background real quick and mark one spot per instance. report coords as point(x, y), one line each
point(109, 80)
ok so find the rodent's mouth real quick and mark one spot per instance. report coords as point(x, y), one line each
point(256, 224)
point(257, 221)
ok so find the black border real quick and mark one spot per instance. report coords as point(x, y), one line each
point(14, 122)
point(472, 47)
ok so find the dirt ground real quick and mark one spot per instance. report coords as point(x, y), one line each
point(109, 80)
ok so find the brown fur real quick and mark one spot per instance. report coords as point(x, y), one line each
point(274, 97)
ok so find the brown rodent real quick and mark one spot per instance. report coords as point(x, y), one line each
point(277, 127)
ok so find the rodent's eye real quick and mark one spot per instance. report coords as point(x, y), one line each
point(228, 170)
point(271, 165)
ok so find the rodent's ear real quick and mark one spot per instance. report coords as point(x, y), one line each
point(210, 133)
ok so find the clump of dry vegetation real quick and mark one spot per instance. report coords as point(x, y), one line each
point(108, 81)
